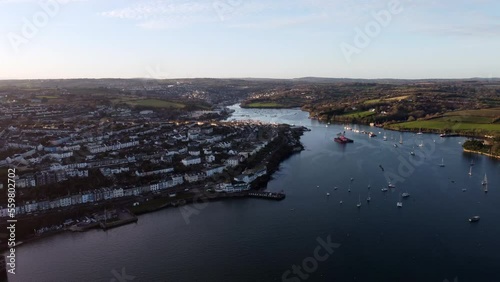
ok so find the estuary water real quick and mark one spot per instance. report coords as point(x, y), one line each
point(428, 239)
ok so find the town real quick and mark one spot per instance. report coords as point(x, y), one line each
point(83, 160)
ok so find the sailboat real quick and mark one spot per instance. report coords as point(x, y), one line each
point(471, 162)
point(419, 131)
point(421, 143)
point(412, 152)
point(485, 180)
point(359, 201)
point(385, 137)
point(399, 204)
point(405, 194)
point(401, 139)
point(442, 163)
point(470, 171)
point(369, 198)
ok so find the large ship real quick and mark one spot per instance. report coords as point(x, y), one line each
point(342, 139)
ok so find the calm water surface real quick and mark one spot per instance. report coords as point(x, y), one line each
point(428, 239)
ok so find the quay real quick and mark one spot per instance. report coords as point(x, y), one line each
point(123, 217)
point(267, 195)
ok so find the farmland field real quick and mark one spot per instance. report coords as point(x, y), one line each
point(155, 103)
point(486, 120)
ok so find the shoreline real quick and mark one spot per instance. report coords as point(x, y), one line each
point(281, 152)
point(481, 153)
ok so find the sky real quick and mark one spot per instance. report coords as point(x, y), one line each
point(249, 38)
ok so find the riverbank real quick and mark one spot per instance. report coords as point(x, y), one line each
point(481, 153)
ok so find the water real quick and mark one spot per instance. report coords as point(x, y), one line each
point(428, 239)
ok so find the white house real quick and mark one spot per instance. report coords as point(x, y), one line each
point(191, 160)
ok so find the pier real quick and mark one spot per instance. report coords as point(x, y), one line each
point(267, 195)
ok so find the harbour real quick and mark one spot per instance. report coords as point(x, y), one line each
point(430, 238)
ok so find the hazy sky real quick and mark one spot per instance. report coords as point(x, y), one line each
point(249, 38)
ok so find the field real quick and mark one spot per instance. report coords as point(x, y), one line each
point(155, 103)
point(358, 114)
point(268, 105)
point(375, 101)
point(486, 120)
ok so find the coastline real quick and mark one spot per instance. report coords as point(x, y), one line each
point(481, 153)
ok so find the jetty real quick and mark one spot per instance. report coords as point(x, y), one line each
point(267, 195)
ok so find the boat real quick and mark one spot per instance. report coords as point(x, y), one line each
point(395, 145)
point(421, 144)
point(369, 186)
point(405, 195)
point(342, 140)
point(485, 180)
point(385, 137)
point(399, 204)
point(463, 190)
point(327, 194)
point(335, 188)
point(474, 218)
point(401, 139)
point(390, 185)
point(384, 189)
point(470, 171)
point(471, 162)
point(359, 201)
point(442, 163)
point(419, 132)
point(341, 202)
point(371, 134)
point(368, 199)
point(412, 153)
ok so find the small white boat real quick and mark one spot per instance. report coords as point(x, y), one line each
point(401, 139)
point(369, 198)
point(442, 163)
point(384, 189)
point(341, 202)
point(359, 201)
point(405, 195)
point(399, 204)
point(485, 180)
point(470, 171)
point(390, 185)
point(328, 194)
point(463, 190)
point(335, 188)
